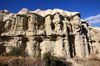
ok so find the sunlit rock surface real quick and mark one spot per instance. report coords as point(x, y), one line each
point(60, 32)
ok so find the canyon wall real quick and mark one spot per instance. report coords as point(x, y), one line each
point(60, 32)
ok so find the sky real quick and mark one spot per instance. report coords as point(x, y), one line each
point(89, 9)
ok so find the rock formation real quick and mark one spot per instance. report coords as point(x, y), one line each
point(60, 32)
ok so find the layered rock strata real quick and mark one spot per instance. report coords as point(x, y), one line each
point(60, 32)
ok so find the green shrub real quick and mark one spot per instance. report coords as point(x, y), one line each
point(51, 60)
point(15, 51)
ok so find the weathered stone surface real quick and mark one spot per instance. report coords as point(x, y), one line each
point(24, 11)
point(60, 49)
point(60, 32)
point(32, 48)
point(95, 34)
point(8, 17)
point(48, 25)
point(1, 16)
point(47, 46)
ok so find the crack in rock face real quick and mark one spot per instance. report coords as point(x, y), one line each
point(60, 32)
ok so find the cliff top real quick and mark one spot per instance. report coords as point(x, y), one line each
point(43, 13)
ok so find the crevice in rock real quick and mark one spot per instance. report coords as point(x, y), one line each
point(2, 48)
point(71, 39)
point(25, 23)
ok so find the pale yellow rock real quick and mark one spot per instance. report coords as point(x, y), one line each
point(61, 49)
point(48, 27)
point(1, 16)
point(60, 32)
point(95, 34)
point(8, 17)
point(24, 11)
point(32, 48)
point(47, 46)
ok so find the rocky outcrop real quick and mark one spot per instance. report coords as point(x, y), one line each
point(95, 40)
point(60, 32)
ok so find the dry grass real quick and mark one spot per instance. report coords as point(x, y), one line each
point(93, 57)
point(92, 60)
point(48, 60)
point(23, 61)
point(20, 61)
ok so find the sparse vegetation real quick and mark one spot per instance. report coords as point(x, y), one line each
point(12, 59)
point(20, 61)
point(48, 60)
point(16, 51)
point(54, 61)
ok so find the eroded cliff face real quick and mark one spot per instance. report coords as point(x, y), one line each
point(60, 32)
